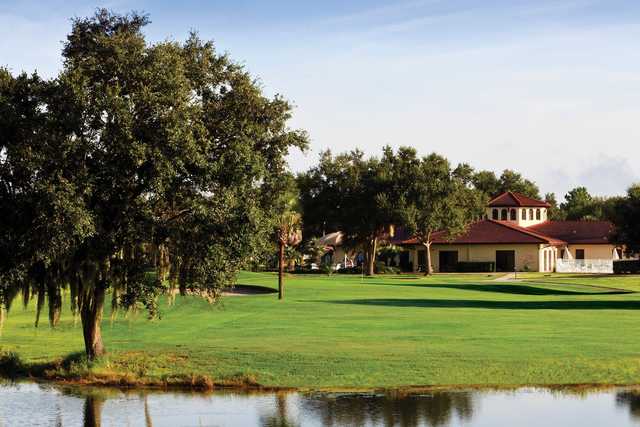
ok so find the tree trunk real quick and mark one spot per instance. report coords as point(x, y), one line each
point(429, 269)
point(39, 304)
point(280, 270)
point(1, 318)
point(91, 315)
point(371, 257)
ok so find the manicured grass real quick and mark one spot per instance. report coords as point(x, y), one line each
point(346, 331)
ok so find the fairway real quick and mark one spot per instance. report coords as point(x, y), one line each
point(347, 331)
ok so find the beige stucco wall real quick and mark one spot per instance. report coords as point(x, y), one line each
point(527, 256)
point(604, 251)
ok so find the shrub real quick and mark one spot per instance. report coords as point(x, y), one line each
point(10, 365)
point(627, 266)
point(389, 270)
point(350, 270)
point(326, 269)
point(476, 267)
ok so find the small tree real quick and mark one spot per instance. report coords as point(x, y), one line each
point(626, 219)
point(293, 257)
point(351, 194)
point(553, 212)
point(578, 204)
point(289, 234)
point(313, 249)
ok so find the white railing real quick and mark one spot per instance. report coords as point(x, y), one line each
point(602, 266)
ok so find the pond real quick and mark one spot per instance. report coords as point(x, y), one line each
point(28, 404)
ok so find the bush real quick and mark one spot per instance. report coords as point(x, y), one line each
point(388, 270)
point(326, 269)
point(350, 270)
point(476, 267)
point(627, 266)
point(10, 365)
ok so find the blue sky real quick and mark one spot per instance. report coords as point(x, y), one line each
point(550, 88)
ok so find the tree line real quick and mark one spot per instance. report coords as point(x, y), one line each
point(362, 196)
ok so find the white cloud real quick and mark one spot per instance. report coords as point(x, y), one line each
point(608, 175)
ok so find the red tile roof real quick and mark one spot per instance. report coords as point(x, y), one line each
point(489, 231)
point(577, 232)
point(512, 199)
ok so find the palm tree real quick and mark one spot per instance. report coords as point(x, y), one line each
point(289, 232)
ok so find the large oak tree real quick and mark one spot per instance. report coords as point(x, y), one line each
point(163, 155)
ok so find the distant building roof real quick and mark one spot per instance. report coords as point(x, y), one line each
point(513, 199)
point(577, 232)
point(488, 231)
point(332, 239)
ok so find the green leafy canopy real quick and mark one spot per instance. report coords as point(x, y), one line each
point(136, 155)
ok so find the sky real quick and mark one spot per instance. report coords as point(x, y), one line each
point(549, 88)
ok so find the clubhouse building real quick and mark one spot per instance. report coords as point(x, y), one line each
point(516, 235)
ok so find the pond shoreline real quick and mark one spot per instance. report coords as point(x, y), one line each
point(201, 384)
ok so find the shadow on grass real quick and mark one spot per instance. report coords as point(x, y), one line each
point(13, 368)
point(251, 290)
point(518, 289)
point(599, 290)
point(497, 305)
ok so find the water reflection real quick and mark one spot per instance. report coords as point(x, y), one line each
point(409, 411)
point(93, 411)
point(32, 404)
point(631, 400)
point(279, 415)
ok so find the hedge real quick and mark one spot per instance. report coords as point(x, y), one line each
point(476, 267)
point(628, 266)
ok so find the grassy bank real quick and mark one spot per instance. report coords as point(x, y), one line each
point(349, 332)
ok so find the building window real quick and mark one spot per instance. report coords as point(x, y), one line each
point(562, 253)
point(579, 253)
point(503, 215)
point(524, 214)
point(530, 214)
point(514, 216)
point(495, 214)
point(538, 214)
